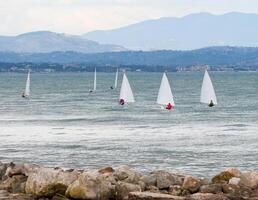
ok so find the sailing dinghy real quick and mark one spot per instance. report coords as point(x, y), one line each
point(126, 93)
point(165, 96)
point(95, 82)
point(116, 78)
point(26, 93)
point(208, 95)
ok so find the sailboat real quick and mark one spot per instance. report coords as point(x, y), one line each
point(165, 96)
point(208, 95)
point(95, 82)
point(26, 93)
point(116, 78)
point(126, 93)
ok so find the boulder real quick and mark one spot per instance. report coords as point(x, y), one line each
point(207, 196)
point(46, 182)
point(175, 190)
point(124, 174)
point(3, 168)
point(152, 196)
point(249, 179)
point(164, 179)
point(152, 189)
point(106, 170)
point(14, 184)
point(223, 177)
point(149, 180)
point(211, 188)
point(191, 184)
point(234, 171)
point(20, 169)
point(92, 185)
point(237, 191)
point(234, 181)
point(123, 189)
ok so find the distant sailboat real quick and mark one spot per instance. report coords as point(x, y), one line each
point(95, 82)
point(208, 95)
point(126, 94)
point(165, 96)
point(116, 78)
point(26, 93)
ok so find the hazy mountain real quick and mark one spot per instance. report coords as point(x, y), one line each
point(44, 41)
point(189, 32)
point(238, 57)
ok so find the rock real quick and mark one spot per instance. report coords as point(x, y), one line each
point(212, 188)
point(46, 182)
point(234, 171)
point(123, 189)
point(191, 184)
point(3, 168)
point(106, 170)
point(164, 179)
point(231, 189)
point(124, 174)
point(15, 184)
point(59, 197)
point(175, 190)
point(152, 189)
point(142, 185)
point(149, 180)
point(223, 177)
point(20, 169)
point(234, 181)
point(207, 196)
point(152, 196)
point(92, 185)
point(249, 179)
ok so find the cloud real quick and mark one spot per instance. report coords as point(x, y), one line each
point(80, 16)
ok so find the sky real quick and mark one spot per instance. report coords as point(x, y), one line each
point(82, 16)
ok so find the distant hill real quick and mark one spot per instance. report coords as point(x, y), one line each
point(45, 41)
point(190, 32)
point(236, 57)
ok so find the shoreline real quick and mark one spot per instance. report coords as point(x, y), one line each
point(30, 181)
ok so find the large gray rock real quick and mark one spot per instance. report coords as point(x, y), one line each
point(46, 182)
point(164, 179)
point(191, 184)
point(212, 188)
point(207, 196)
point(234, 181)
point(20, 169)
point(92, 185)
point(149, 180)
point(123, 173)
point(14, 184)
point(249, 179)
point(123, 189)
point(152, 196)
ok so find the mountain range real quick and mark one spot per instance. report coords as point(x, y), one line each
point(45, 41)
point(185, 33)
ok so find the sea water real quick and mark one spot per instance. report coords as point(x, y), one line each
point(62, 124)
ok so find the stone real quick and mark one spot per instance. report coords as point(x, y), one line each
point(106, 170)
point(59, 197)
point(191, 184)
point(175, 190)
point(124, 174)
point(123, 189)
point(142, 185)
point(231, 189)
point(92, 185)
point(3, 168)
point(223, 177)
point(234, 181)
point(46, 182)
point(211, 188)
point(207, 196)
point(249, 179)
point(149, 180)
point(152, 189)
point(14, 184)
point(152, 196)
point(164, 179)
point(20, 169)
point(234, 171)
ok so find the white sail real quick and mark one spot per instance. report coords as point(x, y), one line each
point(207, 92)
point(165, 95)
point(126, 92)
point(95, 80)
point(27, 88)
point(116, 79)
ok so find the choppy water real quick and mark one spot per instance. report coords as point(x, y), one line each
point(62, 125)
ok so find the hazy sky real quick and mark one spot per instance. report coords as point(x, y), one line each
point(81, 16)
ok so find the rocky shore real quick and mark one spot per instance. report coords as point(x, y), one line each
point(29, 182)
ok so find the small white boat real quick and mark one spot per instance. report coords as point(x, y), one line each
point(116, 79)
point(26, 93)
point(208, 95)
point(165, 96)
point(95, 82)
point(126, 93)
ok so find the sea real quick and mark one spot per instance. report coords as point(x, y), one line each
point(64, 125)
